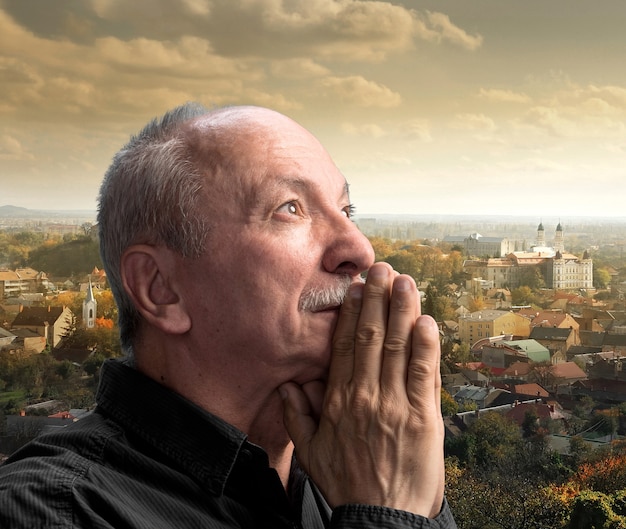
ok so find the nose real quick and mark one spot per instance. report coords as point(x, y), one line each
point(348, 251)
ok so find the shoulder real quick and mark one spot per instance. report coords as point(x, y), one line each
point(38, 483)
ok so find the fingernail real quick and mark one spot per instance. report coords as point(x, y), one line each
point(377, 272)
point(402, 284)
point(426, 322)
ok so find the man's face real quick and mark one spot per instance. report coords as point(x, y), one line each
point(280, 232)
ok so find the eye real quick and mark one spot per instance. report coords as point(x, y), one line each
point(348, 211)
point(292, 208)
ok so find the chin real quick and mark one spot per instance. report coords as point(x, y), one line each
point(314, 367)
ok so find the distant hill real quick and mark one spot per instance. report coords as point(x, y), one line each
point(9, 211)
point(14, 211)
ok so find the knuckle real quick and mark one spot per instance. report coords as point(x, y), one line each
point(370, 333)
point(343, 344)
point(422, 370)
point(362, 402)
point(333, 407)
point(394, 346)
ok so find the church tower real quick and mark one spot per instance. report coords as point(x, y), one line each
point(559, 244)
point(90, 306)
point(541, 236)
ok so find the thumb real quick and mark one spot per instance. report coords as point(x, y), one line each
point(298, 417)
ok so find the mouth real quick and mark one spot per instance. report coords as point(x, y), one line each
point(329, 308)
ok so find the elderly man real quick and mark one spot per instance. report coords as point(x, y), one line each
point(227, 240)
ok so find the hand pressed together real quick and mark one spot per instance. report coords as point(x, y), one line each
point(374, 434)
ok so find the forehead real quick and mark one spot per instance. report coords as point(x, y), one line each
point(251, 155)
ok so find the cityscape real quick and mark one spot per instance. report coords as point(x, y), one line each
point(532, 320)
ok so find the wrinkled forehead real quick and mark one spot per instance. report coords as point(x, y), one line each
point(243, 151)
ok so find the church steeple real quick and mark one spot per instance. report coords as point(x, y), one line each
point(559, 244)
point(541, 236)
point(90, 306)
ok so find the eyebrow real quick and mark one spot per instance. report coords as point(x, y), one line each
point(278, 182)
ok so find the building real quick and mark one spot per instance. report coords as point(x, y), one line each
point(565, 271)
point(496, 272)
point(556, 340)
point(53, 323)
point(477, 245)
point(507, 352)
point(14, 283)
point(489, 323)
point(560, 269)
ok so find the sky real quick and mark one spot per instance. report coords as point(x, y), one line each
point(498, 107)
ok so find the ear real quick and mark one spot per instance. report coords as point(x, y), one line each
point(149, 277)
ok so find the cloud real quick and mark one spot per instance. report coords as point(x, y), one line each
point(532, 166)
point(189, 56)
point(368, 130)
point(298, 69)
point(177, 14)
point(357, 90)
point(506, 96)
point(416, 129)
point(478, 122)
point(366, 30)
point(437, 27)
point(12, 149)
point(110, 76)
point(580, 112)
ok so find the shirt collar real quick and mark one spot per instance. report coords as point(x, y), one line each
point(205, 446)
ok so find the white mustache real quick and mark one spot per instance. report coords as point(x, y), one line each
point(319, 298)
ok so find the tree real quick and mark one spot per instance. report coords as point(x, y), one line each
point(507, 502)
point(72, 300)
point(496, 438)
point(523, 295)
point(449, 406)
point(106, 304)
point(530, 424)
point(532, 278)
point(579, 450)
point(592, 509)
point(436, 305)
point(601, 277)
point(406, 262)
point(382, 247)
point(456, 353)
point(75, 256)
point(476, 303)
point(93, 364)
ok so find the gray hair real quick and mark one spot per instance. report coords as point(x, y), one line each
point(151, 195)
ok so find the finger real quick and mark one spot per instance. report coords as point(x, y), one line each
point(314, 392)
point(424, 380)
point(342, 359)
point(371, 329)
point(399, 338)
point(298, 417)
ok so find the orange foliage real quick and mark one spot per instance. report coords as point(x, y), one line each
point(104, 322)
point(606, 475)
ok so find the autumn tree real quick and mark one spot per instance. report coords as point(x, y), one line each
point(601, 277)
point(532, 278)
point(382, 247)
point(523, 295)
point(449, 406)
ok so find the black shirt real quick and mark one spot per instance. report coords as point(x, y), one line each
point(147, 458)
